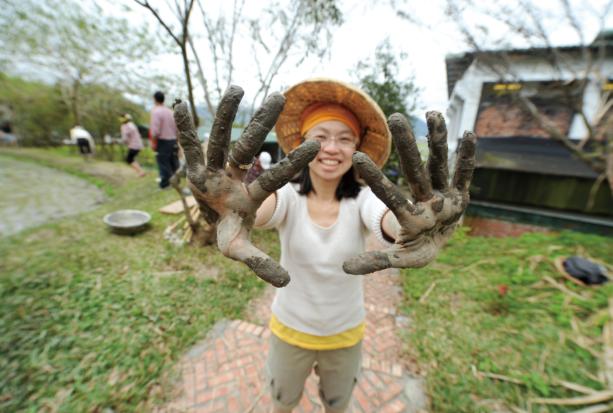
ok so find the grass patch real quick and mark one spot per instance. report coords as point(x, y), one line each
point(91, 320)
point(492, 310)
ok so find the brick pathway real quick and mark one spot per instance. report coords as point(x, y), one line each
point(225, 372)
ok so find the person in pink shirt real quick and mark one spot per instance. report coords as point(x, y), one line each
point(164, 133)
point(131, 137)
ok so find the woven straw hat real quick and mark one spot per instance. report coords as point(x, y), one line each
point(375, 140)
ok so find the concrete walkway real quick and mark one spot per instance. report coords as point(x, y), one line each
point(225, 372)
point(34, 194)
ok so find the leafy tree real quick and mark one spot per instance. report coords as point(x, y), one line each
point(39, 114)
point(379, 77)
point(41, 117)
point(76, 44)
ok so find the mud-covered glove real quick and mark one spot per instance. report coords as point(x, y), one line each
point(427, 221)
point(217, 184)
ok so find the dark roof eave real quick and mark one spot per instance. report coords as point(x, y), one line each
point(457, 63)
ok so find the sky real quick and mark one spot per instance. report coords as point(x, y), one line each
point(368, 23)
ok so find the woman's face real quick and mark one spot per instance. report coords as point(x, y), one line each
point(338, 143)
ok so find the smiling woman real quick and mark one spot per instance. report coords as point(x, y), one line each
point(332, 133)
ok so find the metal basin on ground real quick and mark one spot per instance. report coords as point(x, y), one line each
point(127, 221)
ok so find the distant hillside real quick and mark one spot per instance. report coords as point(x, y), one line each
point(242, 116)
point(420, 128)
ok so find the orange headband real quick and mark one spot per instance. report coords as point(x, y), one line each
point(321, 112)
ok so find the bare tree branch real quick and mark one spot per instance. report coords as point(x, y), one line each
point(210, 31)
point(203, 81)
point(236, 17)
point(181, 40)
point(146, 5)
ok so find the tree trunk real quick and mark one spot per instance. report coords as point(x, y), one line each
point(190, 90)
point(74, 101)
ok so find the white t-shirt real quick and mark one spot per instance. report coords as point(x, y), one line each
point(321, 299)
point(79, 132)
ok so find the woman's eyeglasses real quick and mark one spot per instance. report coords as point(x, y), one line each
point(346, 142)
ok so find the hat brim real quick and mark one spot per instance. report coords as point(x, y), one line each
point(376, 138)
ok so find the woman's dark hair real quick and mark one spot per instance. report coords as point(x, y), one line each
point(348, 187)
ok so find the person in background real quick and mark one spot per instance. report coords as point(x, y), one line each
point(164, 135)
point(265, 160)
point(82, 137)
point(131, 137)
point(6, 134)
point(262, 163)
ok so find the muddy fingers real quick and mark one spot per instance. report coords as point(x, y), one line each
point(367, 262)
point(415, 256)
point(280, 174)
point(233, 242)
point(219, 141)
point(410, 160)
point(437, 160)
point(192, 149)
point(253, 136)
point(465, 163)
point(385, 190)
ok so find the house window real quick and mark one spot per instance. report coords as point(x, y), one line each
point(501, 113)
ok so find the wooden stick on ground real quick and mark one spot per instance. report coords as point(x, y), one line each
point(596, 397)
point(563, 289)
point(498, 377)
point(598, 408)
point(423, 298)
point(187, 235)
point(580, 342)
point(607, 348)
point(173, 226)
point(575, 387)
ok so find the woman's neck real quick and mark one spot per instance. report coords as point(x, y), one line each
point(323, 189)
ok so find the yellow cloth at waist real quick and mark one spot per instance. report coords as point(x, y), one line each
point(347, 338)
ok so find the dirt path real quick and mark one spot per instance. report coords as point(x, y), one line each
point(31, 195)
point(225, 372)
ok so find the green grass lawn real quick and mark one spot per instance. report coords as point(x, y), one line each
point(92, 320)
point(468, 325)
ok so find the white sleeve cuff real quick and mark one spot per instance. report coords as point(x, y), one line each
point(377, 217)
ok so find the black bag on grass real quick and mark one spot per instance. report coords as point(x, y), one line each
point(586, 271)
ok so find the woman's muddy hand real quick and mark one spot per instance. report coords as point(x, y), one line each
point(217, 183)
point(427, 221)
